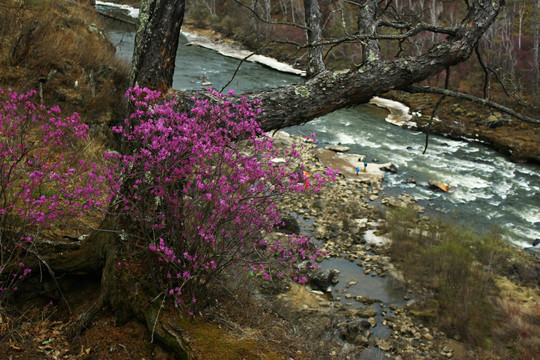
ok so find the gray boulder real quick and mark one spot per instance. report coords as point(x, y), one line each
point(324, 280)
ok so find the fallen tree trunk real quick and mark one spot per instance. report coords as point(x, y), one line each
point(330, 91)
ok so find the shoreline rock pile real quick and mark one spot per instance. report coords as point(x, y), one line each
point(344, 221)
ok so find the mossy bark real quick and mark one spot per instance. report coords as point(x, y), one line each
point(156, 43)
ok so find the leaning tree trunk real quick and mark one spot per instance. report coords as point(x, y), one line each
point(315, 63)
point(156, 43)
point(330, 91)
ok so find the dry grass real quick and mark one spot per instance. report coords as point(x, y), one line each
point(467, 294)
point(519, 319)
point(58, 45)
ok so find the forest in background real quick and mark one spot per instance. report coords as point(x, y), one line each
point(509, 50)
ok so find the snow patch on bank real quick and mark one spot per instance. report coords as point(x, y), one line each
point(376, 240)
point(223, 48)
point(230, 50)
point(133, 12)
point(399, 113)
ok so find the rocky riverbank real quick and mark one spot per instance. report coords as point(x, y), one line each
point(344, 220)
point(360, 305)
point(459, 119)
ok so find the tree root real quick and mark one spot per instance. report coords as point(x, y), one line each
point(105, 292)
point(128, 293)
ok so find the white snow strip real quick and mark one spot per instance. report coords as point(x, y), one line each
point(230, 50)
point(399, 113)
point(134, 13)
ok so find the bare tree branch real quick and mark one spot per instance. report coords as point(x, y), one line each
point(486, 72)
point(254, 12)
point(416, 29)
point(474, 99)
point(434, 112)
point(242, 62)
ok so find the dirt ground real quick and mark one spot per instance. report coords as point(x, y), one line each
point(43, 328)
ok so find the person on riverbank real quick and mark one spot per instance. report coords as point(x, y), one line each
point(306, 177)
point(357, 171)
point(365, 166)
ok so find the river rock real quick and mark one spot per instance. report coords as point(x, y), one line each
point(496, 120)
point(389, 167)
point(367, 300)
point(354, 331)
point(323, 280)
point(289, 225)
point(337, 148)
point(438, 186)
point(319, 204)
point(362, 339)
point(366, 313)
point(384, 344)
point(365, 324)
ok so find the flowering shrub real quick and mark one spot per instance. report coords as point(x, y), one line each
point(42, 180)
point(200, 190)
point(197, 189)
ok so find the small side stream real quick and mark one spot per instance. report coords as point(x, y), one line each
point(370, 287)
point(359, 289)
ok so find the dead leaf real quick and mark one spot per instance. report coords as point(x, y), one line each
point(45, 347)
point(16, 348)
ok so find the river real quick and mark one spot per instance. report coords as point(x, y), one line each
point(490, 191)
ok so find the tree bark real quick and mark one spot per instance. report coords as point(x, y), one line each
point(367, 25)
point(315, 63)
point(536, 70)
point(156, 43)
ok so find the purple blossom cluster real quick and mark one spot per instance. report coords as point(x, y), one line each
point(42, 179)
point(197, 189)
point(201, 189)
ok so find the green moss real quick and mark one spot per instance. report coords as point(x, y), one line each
point(302, 91)
point(218, 344)
point(338, 73)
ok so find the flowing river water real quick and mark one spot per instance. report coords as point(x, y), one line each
point(490, 191)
